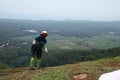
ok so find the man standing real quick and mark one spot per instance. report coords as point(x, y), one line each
point(37, 48)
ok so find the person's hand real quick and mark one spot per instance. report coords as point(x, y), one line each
point(36, 43)
point(46, 51)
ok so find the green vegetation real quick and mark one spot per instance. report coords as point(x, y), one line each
point(105, 41)
point(68, 41)
point(94, 68)
point(55, 73)
point(3, 66)
point(72, 56)
point(93, 46)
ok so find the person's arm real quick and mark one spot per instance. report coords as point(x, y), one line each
point(45, 49)
point(35, 42)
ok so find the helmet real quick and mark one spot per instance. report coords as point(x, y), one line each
point(44, 33)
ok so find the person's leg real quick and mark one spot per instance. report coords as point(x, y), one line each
point(32, 61)
point(38, 63)
point(39, 54)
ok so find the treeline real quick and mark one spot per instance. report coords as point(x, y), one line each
point(21, 58)
point(73, 56)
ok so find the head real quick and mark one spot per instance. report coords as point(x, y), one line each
point(44, 34)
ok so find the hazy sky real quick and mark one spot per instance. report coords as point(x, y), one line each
point(60, 9)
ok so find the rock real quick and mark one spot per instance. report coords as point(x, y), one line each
point(80, 76)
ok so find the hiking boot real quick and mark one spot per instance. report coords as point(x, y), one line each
point(31, 68)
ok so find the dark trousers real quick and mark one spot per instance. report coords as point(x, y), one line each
point(36, 51)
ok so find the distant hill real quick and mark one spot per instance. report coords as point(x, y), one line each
point(12, 27)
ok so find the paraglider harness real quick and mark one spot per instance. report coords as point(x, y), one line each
point(36, 50)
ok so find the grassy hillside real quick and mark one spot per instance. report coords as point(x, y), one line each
point(92, 69)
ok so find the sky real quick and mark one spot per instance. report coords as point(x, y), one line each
point(97, 10)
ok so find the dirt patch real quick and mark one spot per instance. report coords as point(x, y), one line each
point(80, 76)
point(20, 74)
point(76, 74)
point(84, 77)
point(91, 77)
point(111, 64)
point(4, 72)
point(23, 75)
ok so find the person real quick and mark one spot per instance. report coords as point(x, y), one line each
point(115, 75)
point(37, 48)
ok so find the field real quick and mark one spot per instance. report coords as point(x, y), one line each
point(62, 42)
